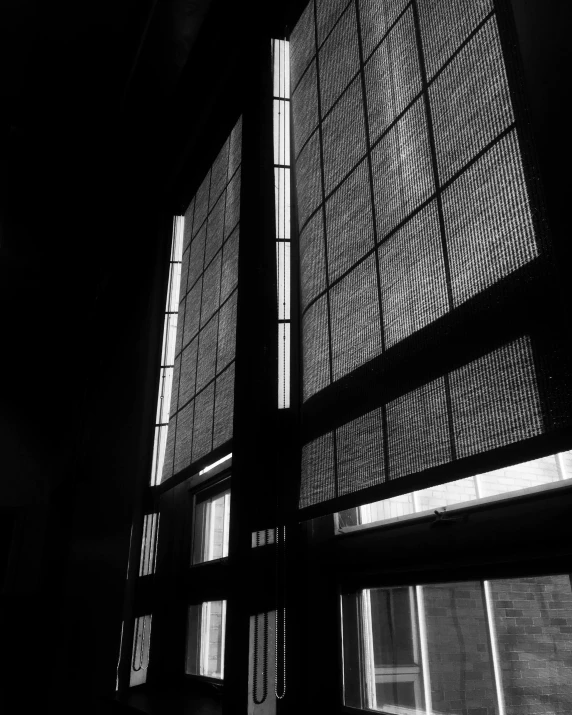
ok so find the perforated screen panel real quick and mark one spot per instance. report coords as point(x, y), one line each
point(418, 218)
point(202, 398)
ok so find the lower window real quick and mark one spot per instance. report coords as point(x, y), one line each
point(205, 639)
point(501, 647)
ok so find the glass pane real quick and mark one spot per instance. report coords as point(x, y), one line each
point(533, 619)
point(499, 647)
point(212, 517)
point(283, 276)
point(283, 365)
point(281, 69)
point(149, 543)
point(164, 400)
point(140, 652)
point(159, 447)
point(169, 337)
point(282, 202)
point(445, 494)
point(460, 661)
point(205, 639)
point(519, 476)
point(174, 288)
point(281, 125)
point(509, 480)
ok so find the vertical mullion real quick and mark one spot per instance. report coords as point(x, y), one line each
point(424, 649)
point(384, 427)
point(492, 633)
point(433, 152)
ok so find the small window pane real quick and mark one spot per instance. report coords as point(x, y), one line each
point(149, 545)
point(507, 481)
point(140, 652)
point(283, 276)
point(283, 365)
point(212, 516)
point(205, 639)
point(159, 448)
point(164, 400)
point(282, 202)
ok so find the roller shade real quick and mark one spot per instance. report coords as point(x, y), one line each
point(202, 401)
point(431, 334)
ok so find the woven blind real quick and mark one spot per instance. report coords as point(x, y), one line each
point(424, 259)
point(202, 401)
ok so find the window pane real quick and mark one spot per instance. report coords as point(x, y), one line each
point(149, 545)
point(205, 639)
point(283, 365)
point(283, 275)
point(212, 517)
point(500, 647)
point(509, 480)
point(140, 652)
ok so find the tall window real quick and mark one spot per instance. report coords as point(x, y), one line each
point(281, 101)
point(168, 351)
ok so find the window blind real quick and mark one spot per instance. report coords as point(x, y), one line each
point(202, 400)
point(429, 328)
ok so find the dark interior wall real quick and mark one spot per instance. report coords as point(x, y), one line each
point(112, 113)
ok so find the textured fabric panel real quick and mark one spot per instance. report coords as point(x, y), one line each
point(167, 470)
point(445, 24)
point(488, 221)
point(224, 407)
point(309, 179)
point(203, 426)
point(305, 108)
point(184, 439)
point(211, 290)
point(215, 228)
point(226, 346)
point(359, 449)
point(417, 430)
point(343, 134)
point(219, 175)
point(229, 279)
point(232, 213)
point(376, 18)
point(318, 477)
point(312, 259)
point(192, 312)
point(188, 226)
point(495, 399)
point(207, 353)
point(201, 203)
point(338, 68)
point(206, 338)
point(402, 173)
point(328, 13)
point(235, 150)
point(470, 101)
point(412, 276)
point(302, 44)
point(354, 306)
point(315, 348)
point(188, 373)
point(392, 76)
point(349, 222)
point(197, 257)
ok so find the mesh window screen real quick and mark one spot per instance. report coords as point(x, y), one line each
point(202, 399)
point(418, 218)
